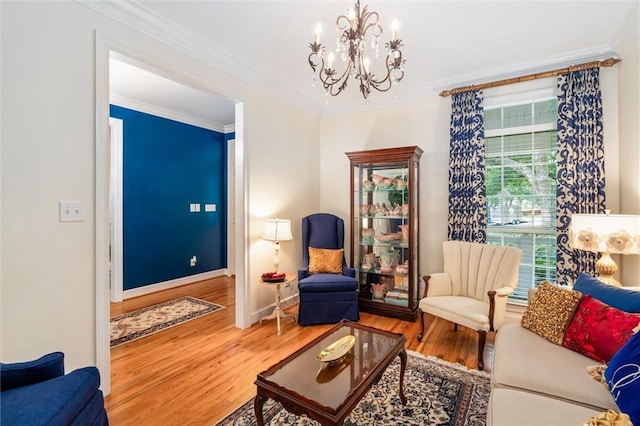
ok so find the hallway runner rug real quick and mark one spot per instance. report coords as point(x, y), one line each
point(438, 393)
point(141, 323)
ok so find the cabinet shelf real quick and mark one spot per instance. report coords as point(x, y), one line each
point(368, 216)
point(386, 292)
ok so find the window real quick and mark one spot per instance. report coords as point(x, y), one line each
point(520, 158)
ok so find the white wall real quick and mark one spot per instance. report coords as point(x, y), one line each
point(629, 173)
point(48, 154)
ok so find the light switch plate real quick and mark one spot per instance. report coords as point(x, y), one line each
point(209, 207)
point(72, 211)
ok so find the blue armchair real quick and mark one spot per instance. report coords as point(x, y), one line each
point(39, 393)
point(324, 297)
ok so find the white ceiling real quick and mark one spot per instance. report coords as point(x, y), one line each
point(133, 87)
point(447, 43)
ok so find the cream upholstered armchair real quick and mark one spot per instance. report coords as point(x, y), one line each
point(472, 291)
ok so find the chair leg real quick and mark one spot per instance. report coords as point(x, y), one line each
point(455, 327)
point(482, 339)
point(421, 315)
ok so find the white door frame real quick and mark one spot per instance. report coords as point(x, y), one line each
point(104, 46)
point(115, 210)
point(231, 215)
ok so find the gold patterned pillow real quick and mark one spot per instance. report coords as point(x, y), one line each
point(550, 311)
point(325, 261)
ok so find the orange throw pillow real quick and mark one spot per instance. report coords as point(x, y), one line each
point(325, 261)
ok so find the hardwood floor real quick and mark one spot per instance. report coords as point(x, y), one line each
point(198, 372)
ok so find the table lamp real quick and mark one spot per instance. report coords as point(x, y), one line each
point(606, 234)
point(277, 230)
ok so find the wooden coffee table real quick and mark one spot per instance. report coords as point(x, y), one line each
point(328, 393)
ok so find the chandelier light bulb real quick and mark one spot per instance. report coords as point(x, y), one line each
point(394, 30)
point(366, 65)
point(330, 58)
point(352, 18)
point(318, 32)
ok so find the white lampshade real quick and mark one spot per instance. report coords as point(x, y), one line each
point(277, 230)
point(605, 233)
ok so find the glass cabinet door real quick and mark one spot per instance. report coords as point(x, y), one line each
point(384, 230)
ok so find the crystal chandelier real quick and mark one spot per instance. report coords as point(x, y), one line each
point(352, 31)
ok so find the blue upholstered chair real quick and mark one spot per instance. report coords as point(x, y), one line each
point(325, 297)
point(39, 393)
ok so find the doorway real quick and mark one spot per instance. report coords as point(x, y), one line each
point(104, 50)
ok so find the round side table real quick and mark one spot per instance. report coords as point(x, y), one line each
point(277, 311)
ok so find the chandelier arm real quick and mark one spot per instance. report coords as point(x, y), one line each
point(346, 25)
point(391, 64)
point(365, 18)
point(330, 82)
point(375, 26)
point(317, 50)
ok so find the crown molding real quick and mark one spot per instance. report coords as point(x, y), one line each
point(427, 91)
point(626, 31)
point(165, 113)
point(134, 14)
point(229, 128)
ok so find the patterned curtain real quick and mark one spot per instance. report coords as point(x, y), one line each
point(467, 200)
point(580, 173)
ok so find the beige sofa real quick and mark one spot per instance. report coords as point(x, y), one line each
point(536, 382)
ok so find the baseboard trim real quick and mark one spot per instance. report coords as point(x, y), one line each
point(284, 304)
point(152, 288)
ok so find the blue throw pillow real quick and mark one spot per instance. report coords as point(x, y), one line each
point(621, 298)
point(623, 378)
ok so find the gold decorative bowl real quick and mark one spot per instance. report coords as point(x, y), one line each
point(338, 349)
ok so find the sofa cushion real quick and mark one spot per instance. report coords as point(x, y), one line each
point(598, 330)
point(325, 261)
point(44, 368)
point(623, 378)
point(526, 361)
point(533, 409)
point(550, 311)
point(618, 297)
point(59, 400)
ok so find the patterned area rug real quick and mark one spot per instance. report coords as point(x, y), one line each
point(144, 322)
point(438, 393)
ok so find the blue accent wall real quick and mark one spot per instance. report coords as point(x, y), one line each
point(168, 165)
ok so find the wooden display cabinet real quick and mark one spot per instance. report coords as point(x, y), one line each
point(384, 229)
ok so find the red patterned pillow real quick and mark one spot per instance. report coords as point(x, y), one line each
point(598, 330)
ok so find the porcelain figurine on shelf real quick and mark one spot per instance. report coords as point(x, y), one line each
point(364, 209)
point(378, 291)
point(367, 235)
point(405, 233)
point(403, 268)
point(405, 210)
point(386, 261)
point(377, 179)
point(367, 185)
point(400, 184)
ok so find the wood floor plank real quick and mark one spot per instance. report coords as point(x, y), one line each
point(199, 371)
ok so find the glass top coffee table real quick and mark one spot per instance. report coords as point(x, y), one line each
point(329, 391)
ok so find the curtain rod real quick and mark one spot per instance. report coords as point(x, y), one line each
point(594, 64)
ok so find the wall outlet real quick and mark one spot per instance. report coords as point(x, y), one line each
point(193, 261)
